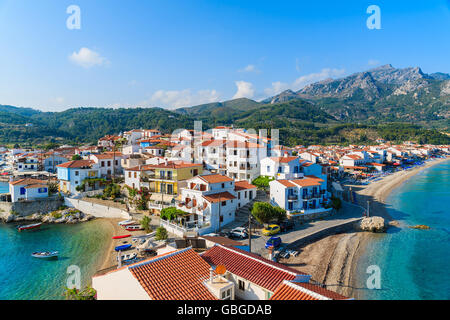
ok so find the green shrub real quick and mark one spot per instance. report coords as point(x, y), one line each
point(161, 234)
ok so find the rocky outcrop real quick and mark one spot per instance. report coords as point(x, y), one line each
point(372, 224)
point(69, 216)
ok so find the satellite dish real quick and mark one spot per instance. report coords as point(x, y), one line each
point(220, 269)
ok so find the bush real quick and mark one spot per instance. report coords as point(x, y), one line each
point(112, 191)
point(171, 213)
point(161, 234)
point(262, 182)
point(265, 213)
point(336, 203)
point(145, 223)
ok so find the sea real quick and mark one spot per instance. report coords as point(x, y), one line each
point(411, 263)
point(22, 277)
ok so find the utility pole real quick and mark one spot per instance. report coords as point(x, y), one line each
point(249, 233)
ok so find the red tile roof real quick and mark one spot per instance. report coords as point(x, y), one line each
point(175, 276)
point(251, 267)
point(283, 159)
point(215, 178)
point(290, 291)
point(76, 164)
point(218, 197)
point(243, 185)
point(322, 291)
point(27, 181)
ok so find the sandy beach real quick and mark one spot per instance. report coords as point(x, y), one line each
point(332, 260)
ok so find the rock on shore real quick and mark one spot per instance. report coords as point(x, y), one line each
point(372, 224)
point(69, 216)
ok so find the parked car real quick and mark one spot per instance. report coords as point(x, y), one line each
point(239, 233)
point(271, 230)
point(287, 225)
point(273, 242)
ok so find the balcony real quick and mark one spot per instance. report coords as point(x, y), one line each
point(292, 197)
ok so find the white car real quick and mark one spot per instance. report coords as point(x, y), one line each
point(239, 232)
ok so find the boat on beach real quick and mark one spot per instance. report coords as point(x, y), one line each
point(122, 237)
point(125, 222)
point(127, 257)
point(45, 254)
point(29, 226)
point(123, 247)
point(134, 227)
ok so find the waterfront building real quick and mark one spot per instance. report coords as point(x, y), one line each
point(300, 196)
point(28, 189)
point(73, 174)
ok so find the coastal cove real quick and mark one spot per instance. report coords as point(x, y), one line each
point(413, 263)
point(26, 278)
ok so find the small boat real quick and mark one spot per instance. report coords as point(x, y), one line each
point(123, 247)
point(45, 254)
point(122, 237)
point(126, 222)
point(134, 227)
point(29, 226)
point(127, 257)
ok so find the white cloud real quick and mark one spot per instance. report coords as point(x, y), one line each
point(373, 62)
point(250, 68)
point(314, 77)
point(278, 87)
point(244, 90)
point(87, 58)
point(183, 98)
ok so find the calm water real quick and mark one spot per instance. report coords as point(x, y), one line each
point(414, 263)
point(24, 277)
point(4, 187)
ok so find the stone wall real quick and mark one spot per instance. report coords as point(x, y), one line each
point(27, 208)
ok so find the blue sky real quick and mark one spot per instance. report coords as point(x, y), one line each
point(181, 53)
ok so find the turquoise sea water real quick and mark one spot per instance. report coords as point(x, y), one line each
point(23, 277)
point(4, 187)
point(414, 263)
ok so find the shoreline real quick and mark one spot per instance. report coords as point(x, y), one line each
point(332, 260)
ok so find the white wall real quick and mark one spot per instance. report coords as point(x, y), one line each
point(119, 285)
point(97, 210)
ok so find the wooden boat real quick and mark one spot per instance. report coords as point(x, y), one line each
point(125, 222)
point(134, 227)
point(123, 247)
point(122, 237)
point(127, 257)
point(45, 254)
point(29, 226)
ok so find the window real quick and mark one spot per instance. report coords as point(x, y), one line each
point(77, 173)
point(241, 285)
point(223, 185)
point(103, 163)
point(224, 203)
point(135, 175)
point(117, 162)
point(268, 168)
point(129, 174)
point(42, 190)
point(22, 190)
point(109, 163)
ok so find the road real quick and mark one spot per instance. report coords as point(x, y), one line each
point(348, 213)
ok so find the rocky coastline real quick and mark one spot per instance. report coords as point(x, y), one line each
point(66, 215)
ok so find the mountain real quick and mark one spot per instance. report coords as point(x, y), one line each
point(322, 112)
point(382, 94)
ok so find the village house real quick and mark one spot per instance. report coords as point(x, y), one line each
point(286, 167)
point(73, 173)
point(28, 189)
point(211, 201)
point(299, 196)
point(108, 163)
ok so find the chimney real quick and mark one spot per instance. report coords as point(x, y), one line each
point(286, 154)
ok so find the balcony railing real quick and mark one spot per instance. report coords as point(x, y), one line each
point(292, 197)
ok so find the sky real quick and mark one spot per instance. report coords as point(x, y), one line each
point(170, 54)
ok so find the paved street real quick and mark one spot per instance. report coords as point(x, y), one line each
point(347, 214)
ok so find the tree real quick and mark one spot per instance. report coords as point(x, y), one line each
point(76, 157)
point(145, 223)
point(262, 182)
point(336, 203)
point(52, 187)
point(265, 213)
point(171, 213)
point(161, 234)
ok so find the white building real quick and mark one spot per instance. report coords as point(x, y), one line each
point(299, 196)
point(108, 162)
point(286, 167)
point(28, 189)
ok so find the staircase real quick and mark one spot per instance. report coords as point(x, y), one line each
point(243, 212)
